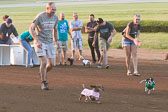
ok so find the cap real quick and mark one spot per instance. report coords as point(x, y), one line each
point(100, 20)
point(9, 20)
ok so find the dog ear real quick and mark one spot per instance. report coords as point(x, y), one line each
point(147, 79)
point(151, 79)
point(92, 86)
point(101, 87)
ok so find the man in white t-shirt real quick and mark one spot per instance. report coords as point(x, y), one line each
point(76, 42)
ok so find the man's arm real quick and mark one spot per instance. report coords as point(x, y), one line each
point(88, 29)
point(55, 35)
point(76, 29)
point(95, 38)
point(113, 33)
point(69, 33)
point(32, 33)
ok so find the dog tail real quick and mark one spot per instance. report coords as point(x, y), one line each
point(142, 81)
point(83, 85)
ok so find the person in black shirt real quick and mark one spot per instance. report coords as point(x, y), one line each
point(130, 41)
point(6, 29)
point(90, 29)
point(107, 32)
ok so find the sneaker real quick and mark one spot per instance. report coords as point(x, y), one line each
point(81, 58)
point(129, 73)
point(93, 61)
point(60, 63)
point(107, 66)
point(71, 60)
point(28, 66)
point(99, 65)
point(44, 85)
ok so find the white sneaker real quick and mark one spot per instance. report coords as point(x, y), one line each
point(44, 85)
point(99, 65)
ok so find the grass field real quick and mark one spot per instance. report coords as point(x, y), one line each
point(40, 1)
point(23, 17)
point(148, 40)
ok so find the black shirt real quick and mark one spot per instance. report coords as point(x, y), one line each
point(105, 30)
point(91, 25)
point(7, 31)
point(134, 31)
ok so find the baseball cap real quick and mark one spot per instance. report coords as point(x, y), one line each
point(9, 20)
point(100, 20)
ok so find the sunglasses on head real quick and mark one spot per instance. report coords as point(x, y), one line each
point(137, 15)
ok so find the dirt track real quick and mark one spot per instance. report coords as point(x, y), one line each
point(20, 88)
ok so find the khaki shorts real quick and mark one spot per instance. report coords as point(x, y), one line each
point(63, 45)
point(104, 45)
point(47, 50)
point(78, 43)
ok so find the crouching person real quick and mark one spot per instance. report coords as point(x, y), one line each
point(25, 38)
point(107, 32)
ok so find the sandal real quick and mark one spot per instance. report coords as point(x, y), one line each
point(129, 73)
point(136, 74)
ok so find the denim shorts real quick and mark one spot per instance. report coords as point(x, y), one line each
point(127, 42)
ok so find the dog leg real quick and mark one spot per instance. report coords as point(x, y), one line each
point(98, 102)
point(146, 89)
point(86, 98)
point(80, 98)
point(149, 91)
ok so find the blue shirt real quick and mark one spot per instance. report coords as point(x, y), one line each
point(63, 28)
point(26, 34)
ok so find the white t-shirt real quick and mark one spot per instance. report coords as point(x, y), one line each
point(88, 92)
point(76, 34)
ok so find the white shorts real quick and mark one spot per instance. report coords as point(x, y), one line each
point(76, 43)
point(47, 50)
point(63, 45)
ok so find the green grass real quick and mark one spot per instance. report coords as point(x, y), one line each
point(23, 17)
point(148, 40)
point(40, 1)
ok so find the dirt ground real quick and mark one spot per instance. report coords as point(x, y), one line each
point(20, 87)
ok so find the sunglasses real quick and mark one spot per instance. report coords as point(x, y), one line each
point(137, 15)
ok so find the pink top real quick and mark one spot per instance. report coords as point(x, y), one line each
point(88, 92)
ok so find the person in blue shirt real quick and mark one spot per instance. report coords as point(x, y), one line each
point(25, 39)
point(63, 31)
